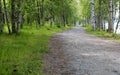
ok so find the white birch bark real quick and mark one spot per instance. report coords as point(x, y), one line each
point(19, 16)
point(118, 19)
point(110, 27)
point(93, 15)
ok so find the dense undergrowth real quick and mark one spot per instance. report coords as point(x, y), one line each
point(21, 54)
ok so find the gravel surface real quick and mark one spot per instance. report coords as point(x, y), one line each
point(74, 52)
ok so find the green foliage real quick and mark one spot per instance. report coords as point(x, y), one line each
point(101, 33)
point(21, 54)
point(85, 8)
point(58, 12)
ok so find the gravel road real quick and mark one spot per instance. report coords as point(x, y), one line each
point(74, 52)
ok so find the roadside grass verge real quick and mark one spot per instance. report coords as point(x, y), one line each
point(21, 54)
point(104, 34)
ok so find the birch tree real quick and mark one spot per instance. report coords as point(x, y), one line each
point(93, 15)
point(19, 21)
point(110, 26)
point(118, 19)
point(6, 16)
point(100, 24)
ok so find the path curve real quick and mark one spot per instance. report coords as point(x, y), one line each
point(74, 52)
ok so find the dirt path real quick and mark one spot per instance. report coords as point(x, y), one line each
point(74, 52)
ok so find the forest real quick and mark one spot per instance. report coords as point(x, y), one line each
point(27, 27)
point(16, 14)
point(99, 12)
point(25, 30)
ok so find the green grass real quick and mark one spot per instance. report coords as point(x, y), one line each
point(21, 54)
point(104, 34)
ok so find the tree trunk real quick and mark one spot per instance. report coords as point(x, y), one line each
point(110, 27)
point(104, 16)
point(93, 15)
point(19, 16)
point(42, 12)
point(113, 13)
point(13, 16)
point(51, 13)
point(63, 17)
point(38, 14)
point(100, 25)
point(1, 18)
point(118, 20)
point(6, 16)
